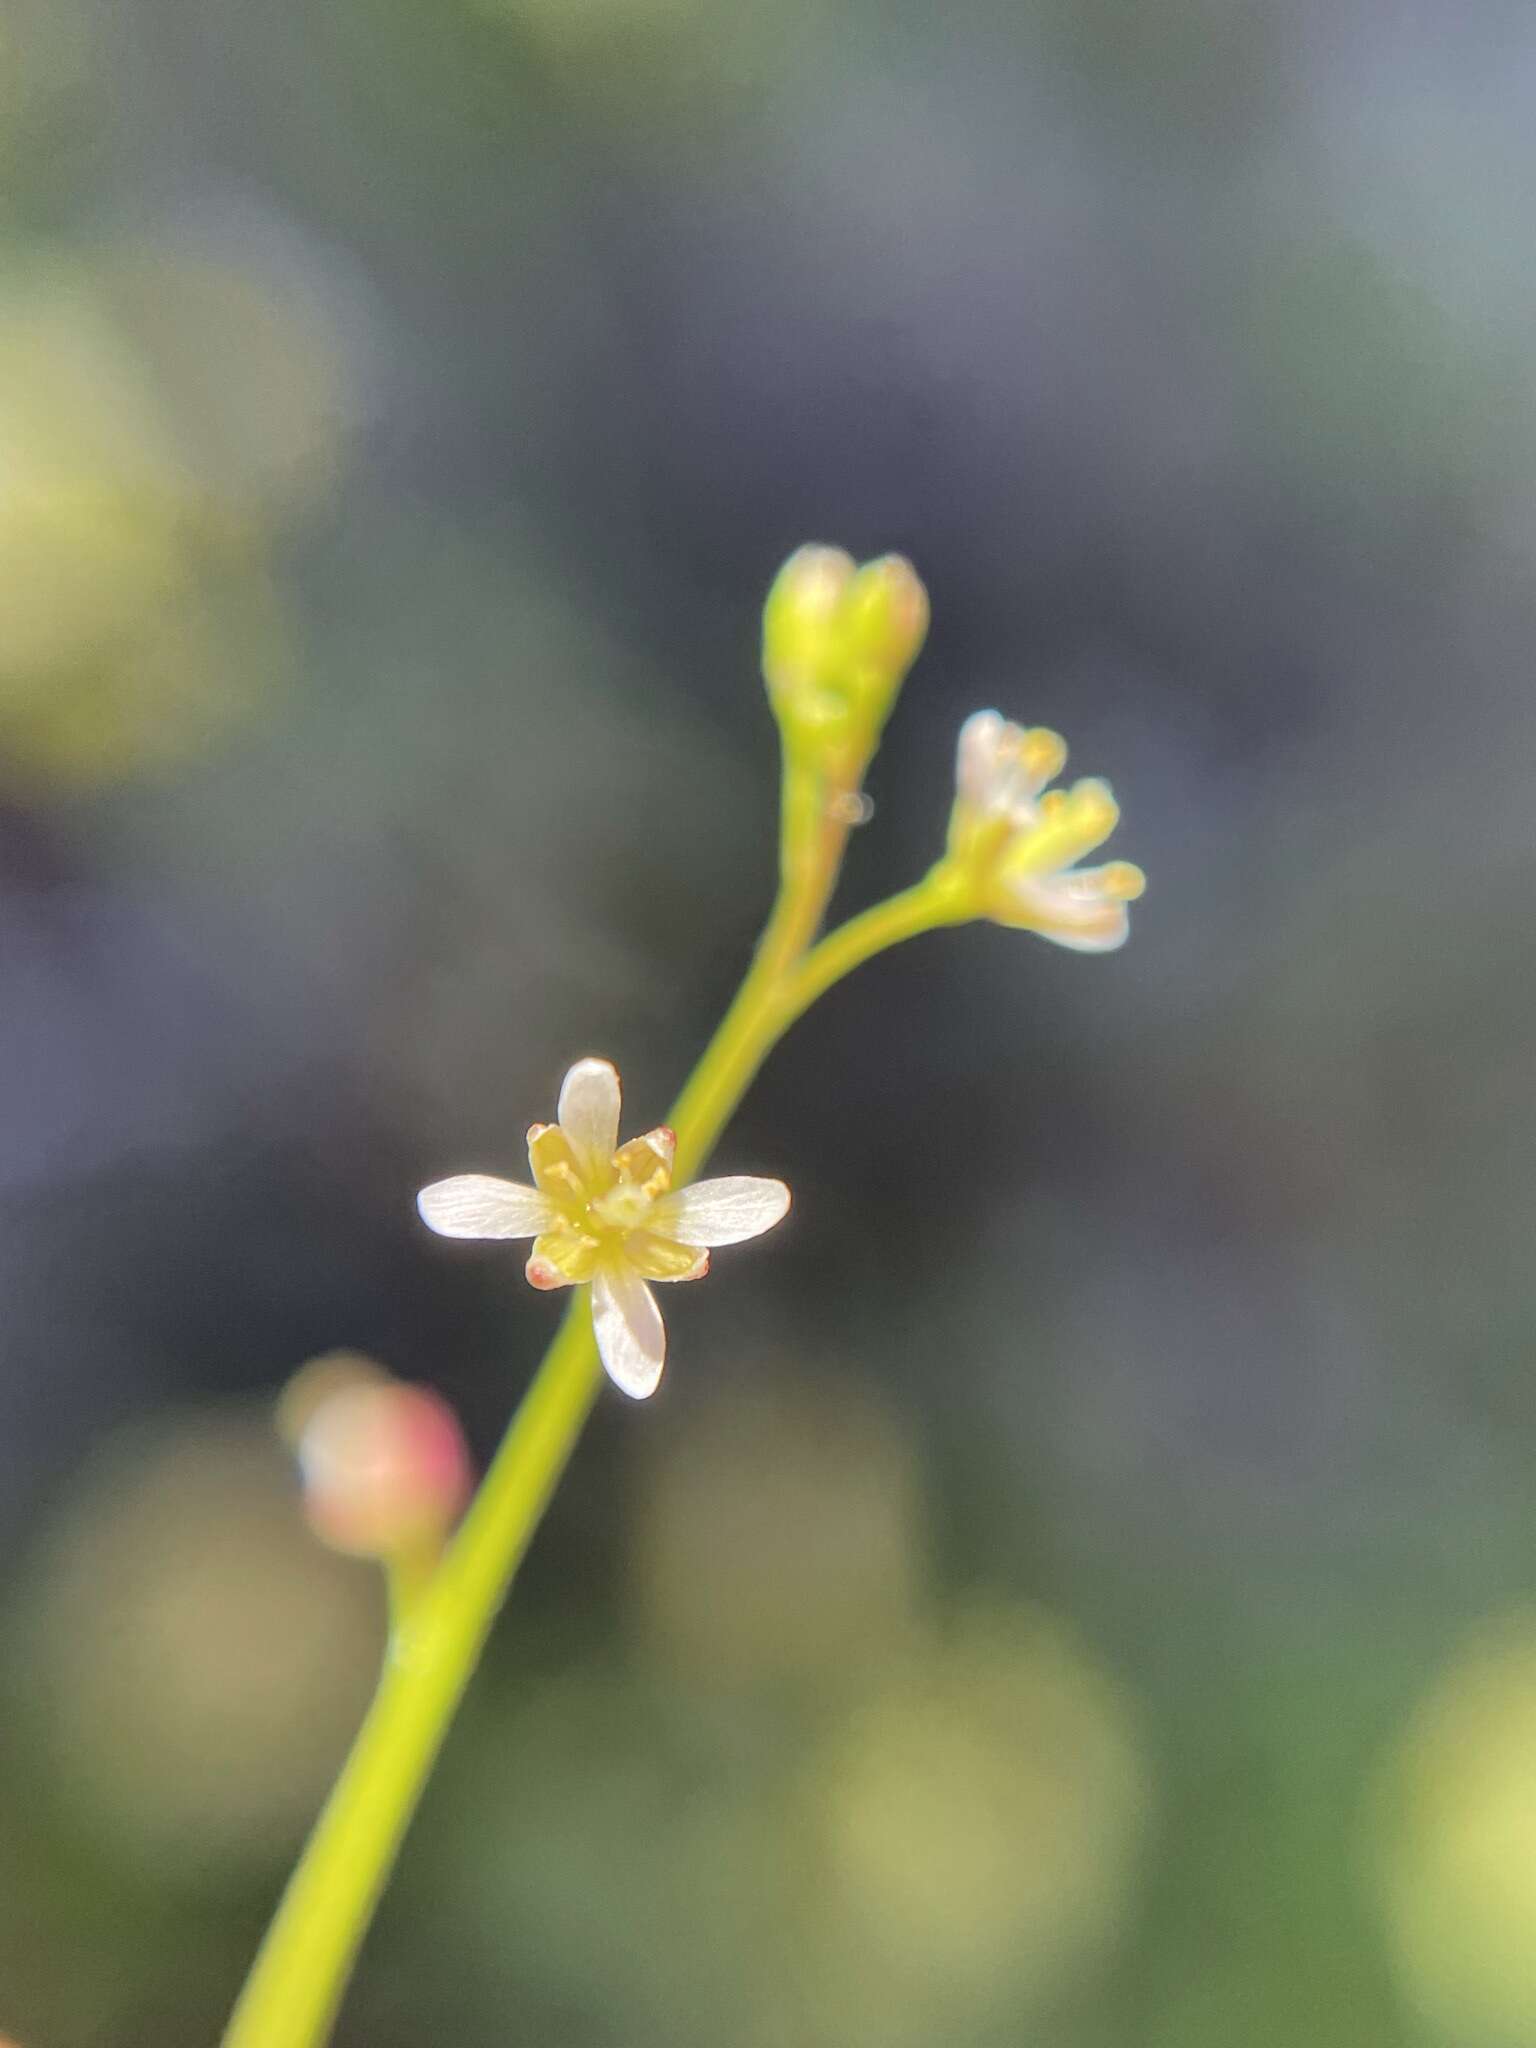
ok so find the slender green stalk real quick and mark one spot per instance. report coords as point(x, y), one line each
point(296, 1985)
point(748, 1036)
point(407, 1577)
point(813, 832)
point(938, 899)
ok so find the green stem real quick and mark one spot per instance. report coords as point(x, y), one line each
point(812, 836)
point(938, 899)
point(296, 1984)
point(407, 1577)
point(723, 1076)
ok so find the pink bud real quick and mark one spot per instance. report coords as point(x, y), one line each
point(384, 1465)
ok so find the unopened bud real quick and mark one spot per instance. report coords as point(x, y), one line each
point(314, 1383)
point(384, 1464)
point(1015, 846)
point(801, 611)
point(886, 613)
point(837, 643)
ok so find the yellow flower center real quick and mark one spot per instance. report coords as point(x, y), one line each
point(603, 1207)
point(623, 1208)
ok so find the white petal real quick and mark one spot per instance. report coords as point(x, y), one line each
point(478, 1205)
point(628, 1327)
point(589, 1109)
point(1107, 936)
point(1073, 911)
point(724, 1211)
point(976, 756)
point(1001, 768)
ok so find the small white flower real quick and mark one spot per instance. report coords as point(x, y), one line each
point(1020, 841)
point(603, 1214)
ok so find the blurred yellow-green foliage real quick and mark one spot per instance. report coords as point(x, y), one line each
point(1080, 1590)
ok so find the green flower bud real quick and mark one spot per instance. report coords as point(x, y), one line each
point(884, 623)
point(837, 643)
point(800, 616)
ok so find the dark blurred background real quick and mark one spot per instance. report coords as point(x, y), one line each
point(1078, 1584)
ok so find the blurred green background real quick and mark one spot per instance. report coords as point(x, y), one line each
point(1078, 1584)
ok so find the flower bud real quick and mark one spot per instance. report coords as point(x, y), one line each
point(885, 611)
point(383, 1464)
point(837, 643)
point(800, 615)
point(1014, 844)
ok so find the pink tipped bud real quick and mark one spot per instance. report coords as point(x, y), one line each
point(384, 1465)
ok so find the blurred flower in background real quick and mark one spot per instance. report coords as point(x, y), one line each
point(193, 1665)
point(1455, 1842)
point(162, 411)
point(384, 1467)
point(979, 1816)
